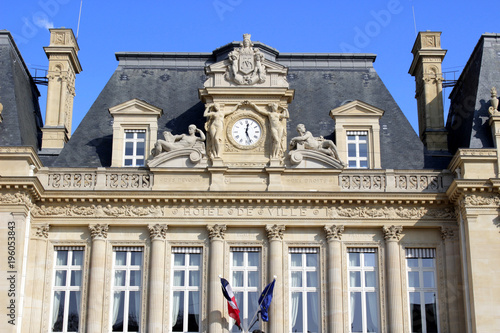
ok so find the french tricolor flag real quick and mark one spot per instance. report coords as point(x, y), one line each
point(232, 307)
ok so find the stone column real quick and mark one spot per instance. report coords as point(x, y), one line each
point(216, 268)
point(392, 236)
point(99, 233)
point(157, 233)
point(276, 315)
point(42, 233)
point(335, 312)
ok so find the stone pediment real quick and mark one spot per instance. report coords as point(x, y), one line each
point(246, 66)
point(310, 159)
point(181, 158)
point(357, 108)
point(135, 106)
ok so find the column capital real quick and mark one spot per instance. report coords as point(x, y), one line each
point(216, 231)
point(158, 231)
point(448, 233)
point(334, 232)
point(42, 231)
point(98, 231)
point(392, 233)
point(275, 232)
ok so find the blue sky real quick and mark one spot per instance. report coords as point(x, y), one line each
point(386, 28)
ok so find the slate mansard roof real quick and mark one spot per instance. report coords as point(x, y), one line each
point(171, 81)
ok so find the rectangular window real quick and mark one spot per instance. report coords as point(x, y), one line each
point(422, 290)
point(67, 289)
point(127, 288)
point(186, 289)
point(135, 146)
point(245, 282)
point(363, 290)
point(304, 290)
point(357, 149)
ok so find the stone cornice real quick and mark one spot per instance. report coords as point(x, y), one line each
point(463, 187)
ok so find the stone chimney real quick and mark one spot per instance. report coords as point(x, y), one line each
point(63, 66)
point(426, 68)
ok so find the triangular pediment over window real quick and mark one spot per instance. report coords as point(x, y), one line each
point(136, 106)
point(357, 108)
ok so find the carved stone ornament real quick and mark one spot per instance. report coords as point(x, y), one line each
point(334, 232)
point(158, 231)
point(42, 231)
point(216, 231)
point(99, 211)
point(1, 109)
point(99, 231)
point(392, 213)
point(448, 233)
point(246, 64)
point(173, 143)
point(493, 109)
point(392, 233)
point(275, 232)
point(16, 198)
point(479, 200)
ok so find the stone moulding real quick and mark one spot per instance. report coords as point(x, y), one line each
point(482, 200)
point(302, 158)
point(187, 157)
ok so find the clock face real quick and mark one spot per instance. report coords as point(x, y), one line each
point(246, 131)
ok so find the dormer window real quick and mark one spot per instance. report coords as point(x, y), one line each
point(357, 149)
point(135, 144)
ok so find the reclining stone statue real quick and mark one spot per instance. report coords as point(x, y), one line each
point(307, 141)
point(181, 141)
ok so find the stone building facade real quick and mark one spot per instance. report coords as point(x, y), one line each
point(188, 168)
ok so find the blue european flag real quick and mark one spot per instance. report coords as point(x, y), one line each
point(265, 300)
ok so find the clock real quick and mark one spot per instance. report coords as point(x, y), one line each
point(246, 132)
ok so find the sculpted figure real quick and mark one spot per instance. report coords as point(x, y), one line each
point(215, 128)
point(173, 142)
point(245, 64)
point(277, 127)
point(493, 109)
point(310, 142)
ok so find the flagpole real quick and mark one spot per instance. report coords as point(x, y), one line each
point(255, 315)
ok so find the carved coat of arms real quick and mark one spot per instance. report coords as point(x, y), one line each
point(245, 64)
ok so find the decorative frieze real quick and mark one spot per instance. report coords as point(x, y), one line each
point(16, 198)
point(334, 232)
point(275, 232)
point(128, 181)
point(99, 211)
point(392, 212)
point(363, 182)
point(157, 231)
point(71, 180)
point(482, 200)
point(42, 231)
point(448, 233)
point(419, 182)
point(392, 233)
point(388, 181)
point(99, 231)
point(216, 231)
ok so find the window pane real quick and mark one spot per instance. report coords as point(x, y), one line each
point(120, 258)
point(62, 258)
point(128, 162)
point(352, 164)
point(312, 313)
point(237, 279)
point(351, 150)
point(355, 312)
point(363, 164)
point(129, 135)
point(296, 259)
point(73, 311)
point(311, 259)
point(57, 324)
point(117, 314)
point(296, 279)
point(253, 259)
point(140, 148)
point(237, 258)
point(363, 150)
point(177, 311)
point(369, 259)
point(371, 312)
point(370, 279)
point(430, 312)
point(354, 259)
point(412, 262)
point(413, 280)
point(60, 278)
point(415, 314)
point(120, 278)
point(141, 135)
point(253, 279)
point(194, 278)
point(429, 280)
point(76, 278)
point(194, 311)
point(136, 258)
point(179, 259)
point(134, 310)
point(354, 279)
point(194, 259)
point(296, 313)
point(129, 148)
point(135, 278)
point(427, 262)
point(253, 304)
point(312, 279)
point(77, 258)
point(351, 137)
point(139, 162)
point(178, 278)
